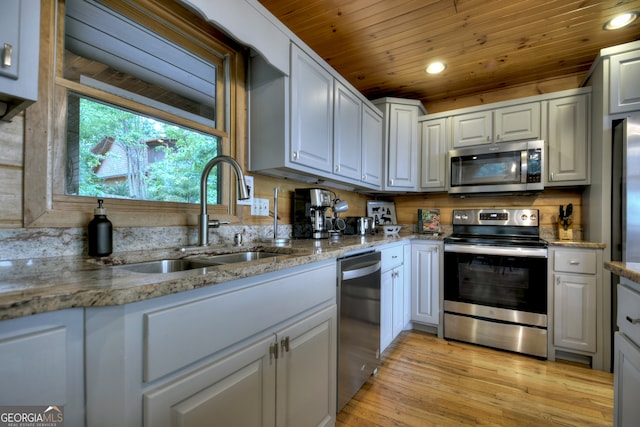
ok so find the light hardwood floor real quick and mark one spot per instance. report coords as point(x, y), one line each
point(426, 381)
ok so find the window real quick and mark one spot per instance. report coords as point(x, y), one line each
point(113, 152)
point(142, 96)
point(115, 149)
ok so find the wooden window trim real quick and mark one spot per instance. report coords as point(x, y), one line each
point(45, 204)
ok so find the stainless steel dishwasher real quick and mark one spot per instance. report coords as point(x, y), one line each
point(358, 297)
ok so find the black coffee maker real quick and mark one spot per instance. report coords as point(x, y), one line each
point(309, 209)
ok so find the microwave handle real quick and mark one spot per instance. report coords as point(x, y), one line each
point(524, 158)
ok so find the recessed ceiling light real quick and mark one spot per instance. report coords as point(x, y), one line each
point(620, 21)
point(436, 67)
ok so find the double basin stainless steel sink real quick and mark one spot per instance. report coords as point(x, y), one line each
point(174, 265)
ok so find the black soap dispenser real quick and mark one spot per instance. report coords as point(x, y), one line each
point(100, 232)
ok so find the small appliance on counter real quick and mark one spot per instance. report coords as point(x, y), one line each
point(359, 225)
point(309, 210)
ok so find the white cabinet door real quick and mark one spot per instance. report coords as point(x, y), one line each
point(306, 373)
point(372, 146)
point(574, 312)
point(237, 390)
point(311, 112)
point(403, 147)
point(425, 283)
point(517, 123)
point(472, 129)
point(504, 124)
point(391, 306)
point(568, 141)
point(624, 78)
point(386, 309)
point(626, 382)
point(42, 362)
point(433, 148)
point(398, 301)
point(347, 134)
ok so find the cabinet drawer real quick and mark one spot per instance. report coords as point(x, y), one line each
point(392, 257)
point(629, 312)
point(176, 336)
point(575, 262)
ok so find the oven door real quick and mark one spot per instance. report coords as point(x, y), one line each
point(496, 297)
point(511, 278)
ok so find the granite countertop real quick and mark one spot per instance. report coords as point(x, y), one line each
point(30, 286)
point(577, 244)
point(628, 270)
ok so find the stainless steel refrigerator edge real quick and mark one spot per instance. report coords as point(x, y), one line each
point(358, 294)
point(625, 195)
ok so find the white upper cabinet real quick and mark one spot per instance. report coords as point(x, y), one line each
point(568, 145)
point(311, 112)
point(513, 123)
point(624, 78)
point(19, 53)
point(472, 129)
point(347, 133)
point(311, 125)
point(372, 147)
point(402, 145)
point(517, 123)
point(433, 148)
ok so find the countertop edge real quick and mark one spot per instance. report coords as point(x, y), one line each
point(628, 270)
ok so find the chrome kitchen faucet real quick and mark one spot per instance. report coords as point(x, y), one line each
point(243, 194)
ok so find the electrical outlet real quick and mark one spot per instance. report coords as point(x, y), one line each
point(260, 207)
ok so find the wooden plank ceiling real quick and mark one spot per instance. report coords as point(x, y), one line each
point(383, 46)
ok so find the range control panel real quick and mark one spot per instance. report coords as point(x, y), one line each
point(518, 217)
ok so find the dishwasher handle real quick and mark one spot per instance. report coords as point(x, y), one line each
point(361, 271)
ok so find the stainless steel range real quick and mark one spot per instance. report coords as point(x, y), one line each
point(495, 280)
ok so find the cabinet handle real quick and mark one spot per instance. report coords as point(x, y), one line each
point(488, 138)
point(364, 177)
point(633, 321)
point(337, 168)
point(285, 344)
point(390, 182)
point(551, 176)
point(7, 53)
point(394, 256)
point(273, 350)
point(498, 137)
point(295, 155)
point(574, 262)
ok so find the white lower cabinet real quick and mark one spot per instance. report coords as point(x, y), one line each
point(392, 296)
point(306, 371)
point(41, 363)
point(259, 351)
point(283, 379)
point(577, 305)
point(626, 369)
point(575, 312)
point(426, 282)
point(626, 382)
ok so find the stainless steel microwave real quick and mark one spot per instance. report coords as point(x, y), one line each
point(497, 168)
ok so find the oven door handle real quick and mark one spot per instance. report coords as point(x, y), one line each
point(497, 250)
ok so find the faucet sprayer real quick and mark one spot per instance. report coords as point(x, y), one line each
point(241, 185)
